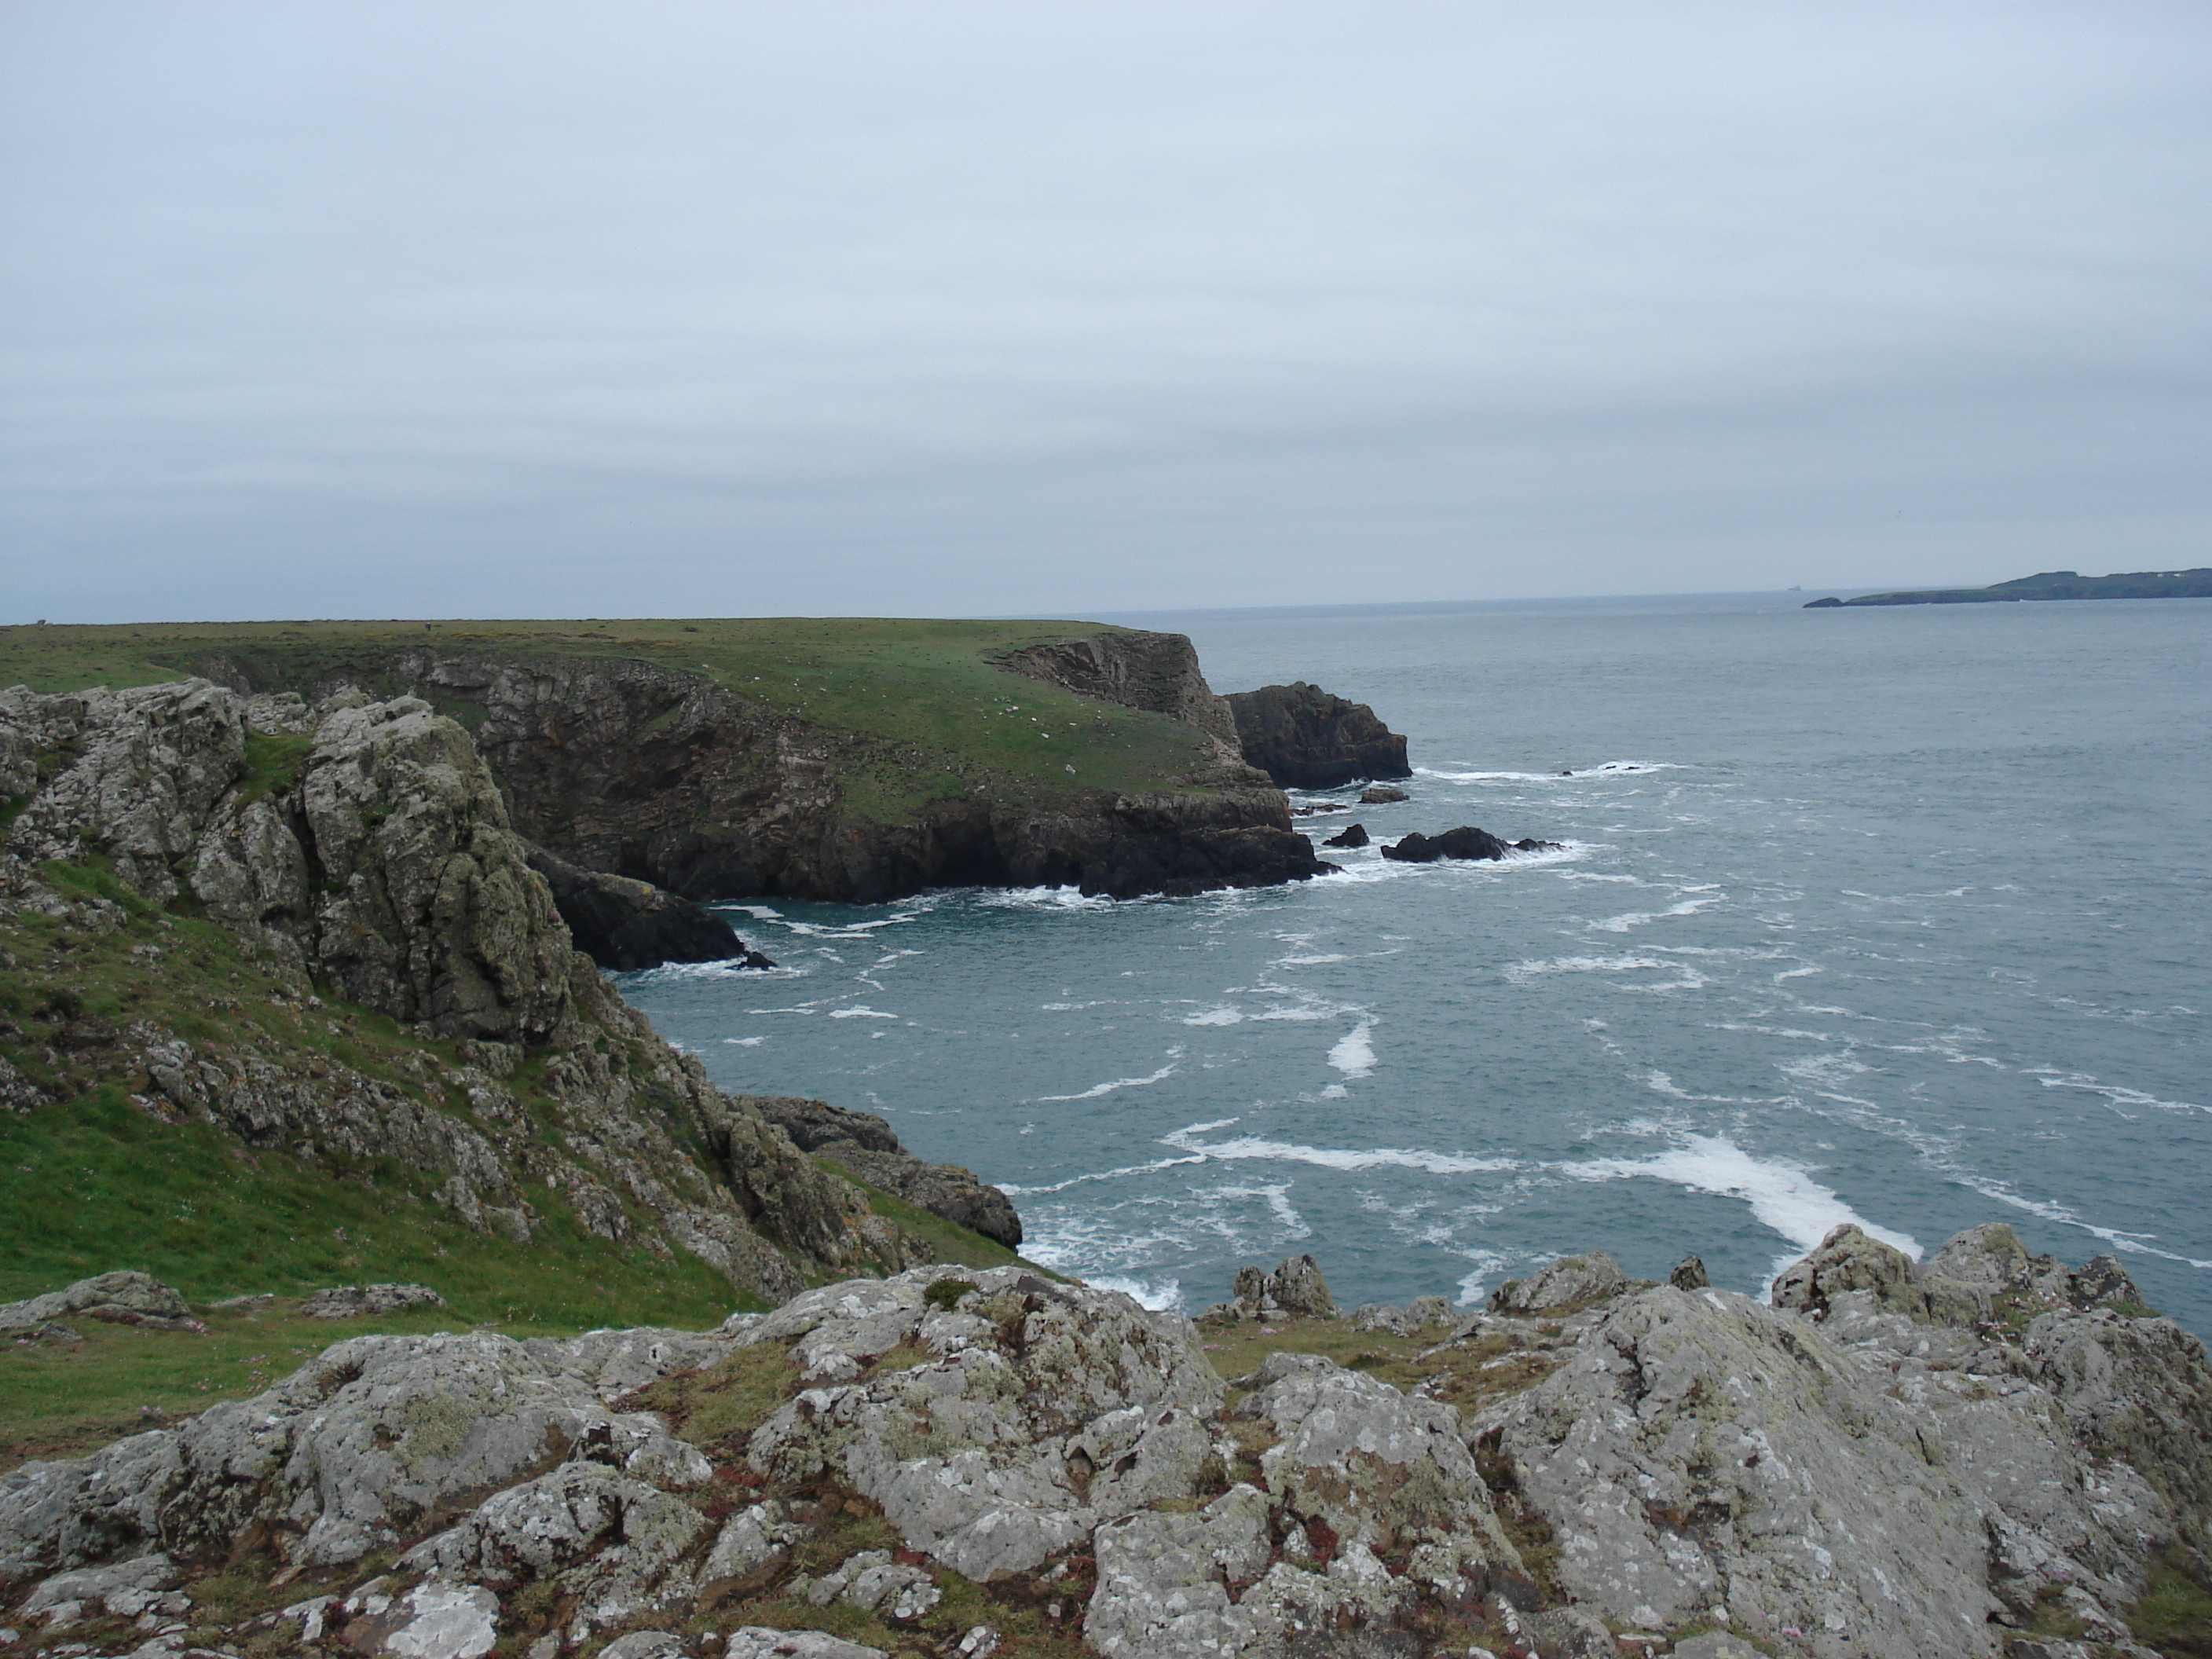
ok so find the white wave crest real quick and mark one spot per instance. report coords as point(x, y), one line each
point(1353, 1053)
point(860, 1012)
point(1783, 1196)
point(1336, 1158)
point(1099, 1089)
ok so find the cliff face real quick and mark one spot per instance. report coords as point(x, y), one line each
point(652, 772)
point(361, 854)
point(1304, 738)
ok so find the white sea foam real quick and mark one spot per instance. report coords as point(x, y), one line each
point(1099, 1089)
point(1042, 898)
point(744, 1042)
point(860, 1012)
point(1521, 970)
point(1332, 1157)
point(1121, 1174)
point(1783, 1196)
point(2050, 1078)
point(1608, 769)
point(1688, 907)
point(1214, 1017)
point(1353, 1053)
point(1160, 1294)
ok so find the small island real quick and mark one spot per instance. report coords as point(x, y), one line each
point(2051, 585)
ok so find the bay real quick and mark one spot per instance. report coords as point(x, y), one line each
point(1898, 916)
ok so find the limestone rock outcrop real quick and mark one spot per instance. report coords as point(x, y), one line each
point(866, 1146)
point(1304, 738)
point(362, 850)
point(1703, 1475)
point(116, 1298)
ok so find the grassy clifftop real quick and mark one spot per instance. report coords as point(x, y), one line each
point(930, 692)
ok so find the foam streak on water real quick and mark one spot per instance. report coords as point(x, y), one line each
point(1897, 918)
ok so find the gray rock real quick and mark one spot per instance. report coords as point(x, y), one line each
point(613, 1545)
point(352, 1300)
point(431, 1621)
point(349, 1452)
point(1689, 1274)
point(1570, 1283)
point(1697, 1451)
point(645, 1645)
point(120, 1298)
point(1849, 1259)
point(1025, 1385)
point(150, 765)
point(1295, 1290)
point(1382, 794)
point(757, 1642)
point(437, 915)
point(1716, 1644)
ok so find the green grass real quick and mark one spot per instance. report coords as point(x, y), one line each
point(926, 712)
point(108, 1175)
point(2175, 1615)
point(948, 1240)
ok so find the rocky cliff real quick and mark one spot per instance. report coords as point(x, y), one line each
point(651, 770)
point(1304, 738)
point(1984, 1456)
point(207, 902)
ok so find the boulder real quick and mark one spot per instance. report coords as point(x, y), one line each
point(118, 1298)
point(352, 1300)
point(352, 1451)
point(1352, 835)
point(1048, 1408)
point(1295, 1290)
point(1689, 1274)
point(1382, 794)
point(1304, 738)
point(625, 925)
point(1570, 1284)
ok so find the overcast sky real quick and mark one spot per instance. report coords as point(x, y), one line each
point(1062, 306)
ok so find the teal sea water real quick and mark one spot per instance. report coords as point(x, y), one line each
point(1898, 916)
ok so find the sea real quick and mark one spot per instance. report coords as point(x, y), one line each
point(1894, 916)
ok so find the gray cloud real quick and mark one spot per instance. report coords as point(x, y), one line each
point(507, 309)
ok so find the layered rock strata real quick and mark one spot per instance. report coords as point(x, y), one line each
point(1304, 738)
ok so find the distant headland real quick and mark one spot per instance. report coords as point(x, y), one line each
point(2052, 585)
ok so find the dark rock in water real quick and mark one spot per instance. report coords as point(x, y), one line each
point(1382, 794)
point(867, 1147)
point(1530, 844)
point(1352, 835)
point(1465, 842)
point(624, 924)
point(1689, 1274)
point(1305, 739)
point(1830, 603)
